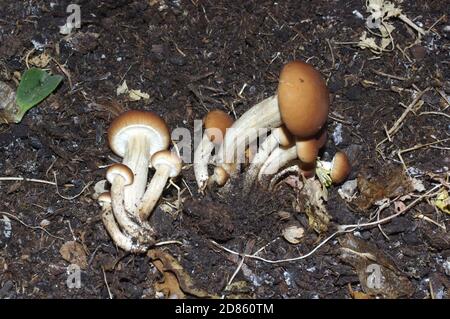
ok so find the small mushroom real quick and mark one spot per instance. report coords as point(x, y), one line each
point(167, 165)
point(216, 123)
point(120, 175)
point(123, 241)
point(220, 177)
point(136, 136)
point(334, 172)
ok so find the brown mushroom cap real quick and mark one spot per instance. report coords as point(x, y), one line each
point(303, 99)
point(340, 168)
point(138, 123)
point(220, 176)
point(119, 169)
point(217, 120)
point(104, 198)
point(168, 159)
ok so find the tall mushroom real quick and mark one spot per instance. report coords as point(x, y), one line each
point(136, 136)
point(304, 103)
point(301, 104)
point(167, 165)
point(216, 123)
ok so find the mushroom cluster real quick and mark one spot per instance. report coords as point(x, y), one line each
point(142, 140)
point(296, 119)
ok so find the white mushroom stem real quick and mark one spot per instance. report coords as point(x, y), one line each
point(137, 158)
point(264, 151)
point(153, 192)
point(202, 156)
point(121, 240)
point(123, 219)
point(245, 130)
point(277, 159)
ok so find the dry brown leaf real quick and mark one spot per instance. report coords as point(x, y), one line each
point(311, 202)
point(358, 294)
point(41, 61)
point(376, 271)
point(391, 183)
point(176, 281)
point(74, 253)
point(293, 234)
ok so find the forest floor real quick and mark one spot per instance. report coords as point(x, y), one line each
point(389, 113)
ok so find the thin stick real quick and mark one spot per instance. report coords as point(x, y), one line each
point(29, 226)
point(168, 242)
point(341, 229)
point(73, 197)
point(398, 124)
point(24, 179)
point(414, 148)
point(390, 76)
point(435, 113)
point(386, 219)
point(106, 283)
point(281, 260)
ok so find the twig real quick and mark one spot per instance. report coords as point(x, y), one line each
point(386, 219)
point(332, 54)
point(73, 197)
point(428, 219)
point(341, 229)
point(394, 129)
point(23, 179)
point(435, 113)
point(106, 283)
point(390, 76)
point(399, 123)
point(414, 148)
point(168, 242)
point(31, 227)
point(253, 256)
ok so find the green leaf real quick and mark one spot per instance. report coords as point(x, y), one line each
point(34, 87)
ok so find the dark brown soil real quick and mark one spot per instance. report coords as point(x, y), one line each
point(191, 56)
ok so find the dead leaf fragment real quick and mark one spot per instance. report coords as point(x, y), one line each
point(391, 183)
point(377, 272)
point(311, 201)
point(136, 95)
point(176, 281)
point(293, 234)
point(74, 253)
point(442, 201)
point(41, 61)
